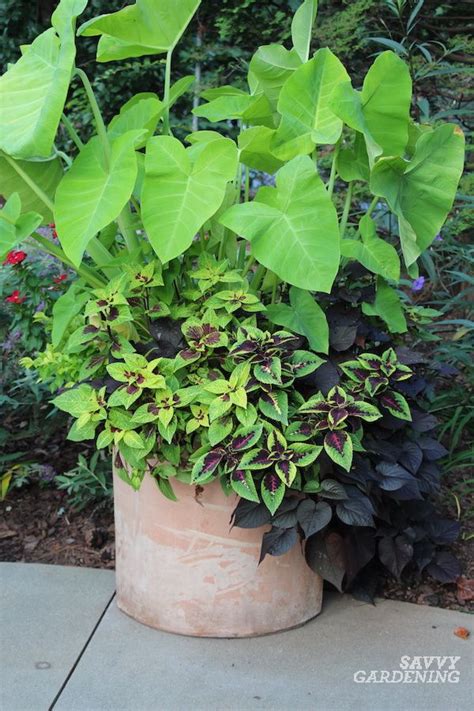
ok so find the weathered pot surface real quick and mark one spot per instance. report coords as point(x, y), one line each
point(181, 568)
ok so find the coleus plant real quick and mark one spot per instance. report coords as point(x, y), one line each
point(202, 316)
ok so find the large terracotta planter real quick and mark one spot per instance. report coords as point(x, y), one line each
point(181, 568)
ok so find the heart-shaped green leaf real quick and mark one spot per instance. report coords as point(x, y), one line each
point(34, 89)
point(375, 254)
point(421, 191)
point(381, 110)
point(302, 315)
point(269, 68)
point(182, 189)
point(148, 27)
point(16, 177)
point(293, 228)
point(15, 227)
point(302, 27)
point(388, 307)
point(91, 194)
point(305, 106)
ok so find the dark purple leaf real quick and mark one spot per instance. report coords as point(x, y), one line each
point(356, 511)
point(325, 555)
point(411, 457)
point(248, 514)
point(443, 530)
point(432, 449)
point(312, 516)
point(278, 541)
point(395, 554)
point(445, 568)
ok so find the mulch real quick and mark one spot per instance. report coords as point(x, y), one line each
point(37, 525)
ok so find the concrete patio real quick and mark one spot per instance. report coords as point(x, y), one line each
point(65, 646)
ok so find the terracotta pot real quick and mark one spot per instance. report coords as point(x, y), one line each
point(180, 567)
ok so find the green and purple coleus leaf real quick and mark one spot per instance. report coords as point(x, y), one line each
point(272, 490)
point(304, 362)
point(396, 405)
point(200, 337)
point(274, 404)
point(338, 446)
point(207, 464)
point(284, 457)
point(363, 410)
point(243, 484)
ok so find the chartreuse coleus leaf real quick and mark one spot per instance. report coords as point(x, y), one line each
point(164, 404)
point(387, 306)
point(182, 189)
point(272, 490)
point(375, 254)
point(421, 191)
point(147, 27)
point(230, 393)
point(200, 418)
point(307, 117)
point(293, 228)
point(16, 176)
point(302, 315)
point(137, 374)
point(34, 89)
point(14, 226)
point(381, 111)
point(92, 193)
point(87, 406)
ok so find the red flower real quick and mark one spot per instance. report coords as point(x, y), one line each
point(14, 257)
point(54, 234)
point(53, 227)
point(60, 278)
point(15, 297)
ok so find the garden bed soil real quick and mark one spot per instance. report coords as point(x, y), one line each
point(37, 525)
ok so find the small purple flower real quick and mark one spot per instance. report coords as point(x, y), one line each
point(438, 238)
point(418, 284)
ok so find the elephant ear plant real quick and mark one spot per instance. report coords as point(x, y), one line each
point(246, 338)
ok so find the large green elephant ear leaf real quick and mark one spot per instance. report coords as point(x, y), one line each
point(15, 226)
point(381, 111)
point(33, 91)
point(421, 191)
point(269, 68)
point(91, 195)
point(228, 102)
point(307, 117)
point(148, 27)
point(388, 307)
point(302, 27)
point(182, 189)
point(17, 176)
point(375, 254)
point(293, 228)
point(255, 149)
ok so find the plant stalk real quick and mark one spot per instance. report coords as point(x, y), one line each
point(166, 95)
point(345, 213)
point(72, 132)
point(99, 121)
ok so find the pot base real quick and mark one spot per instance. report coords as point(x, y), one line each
point(180, 567)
